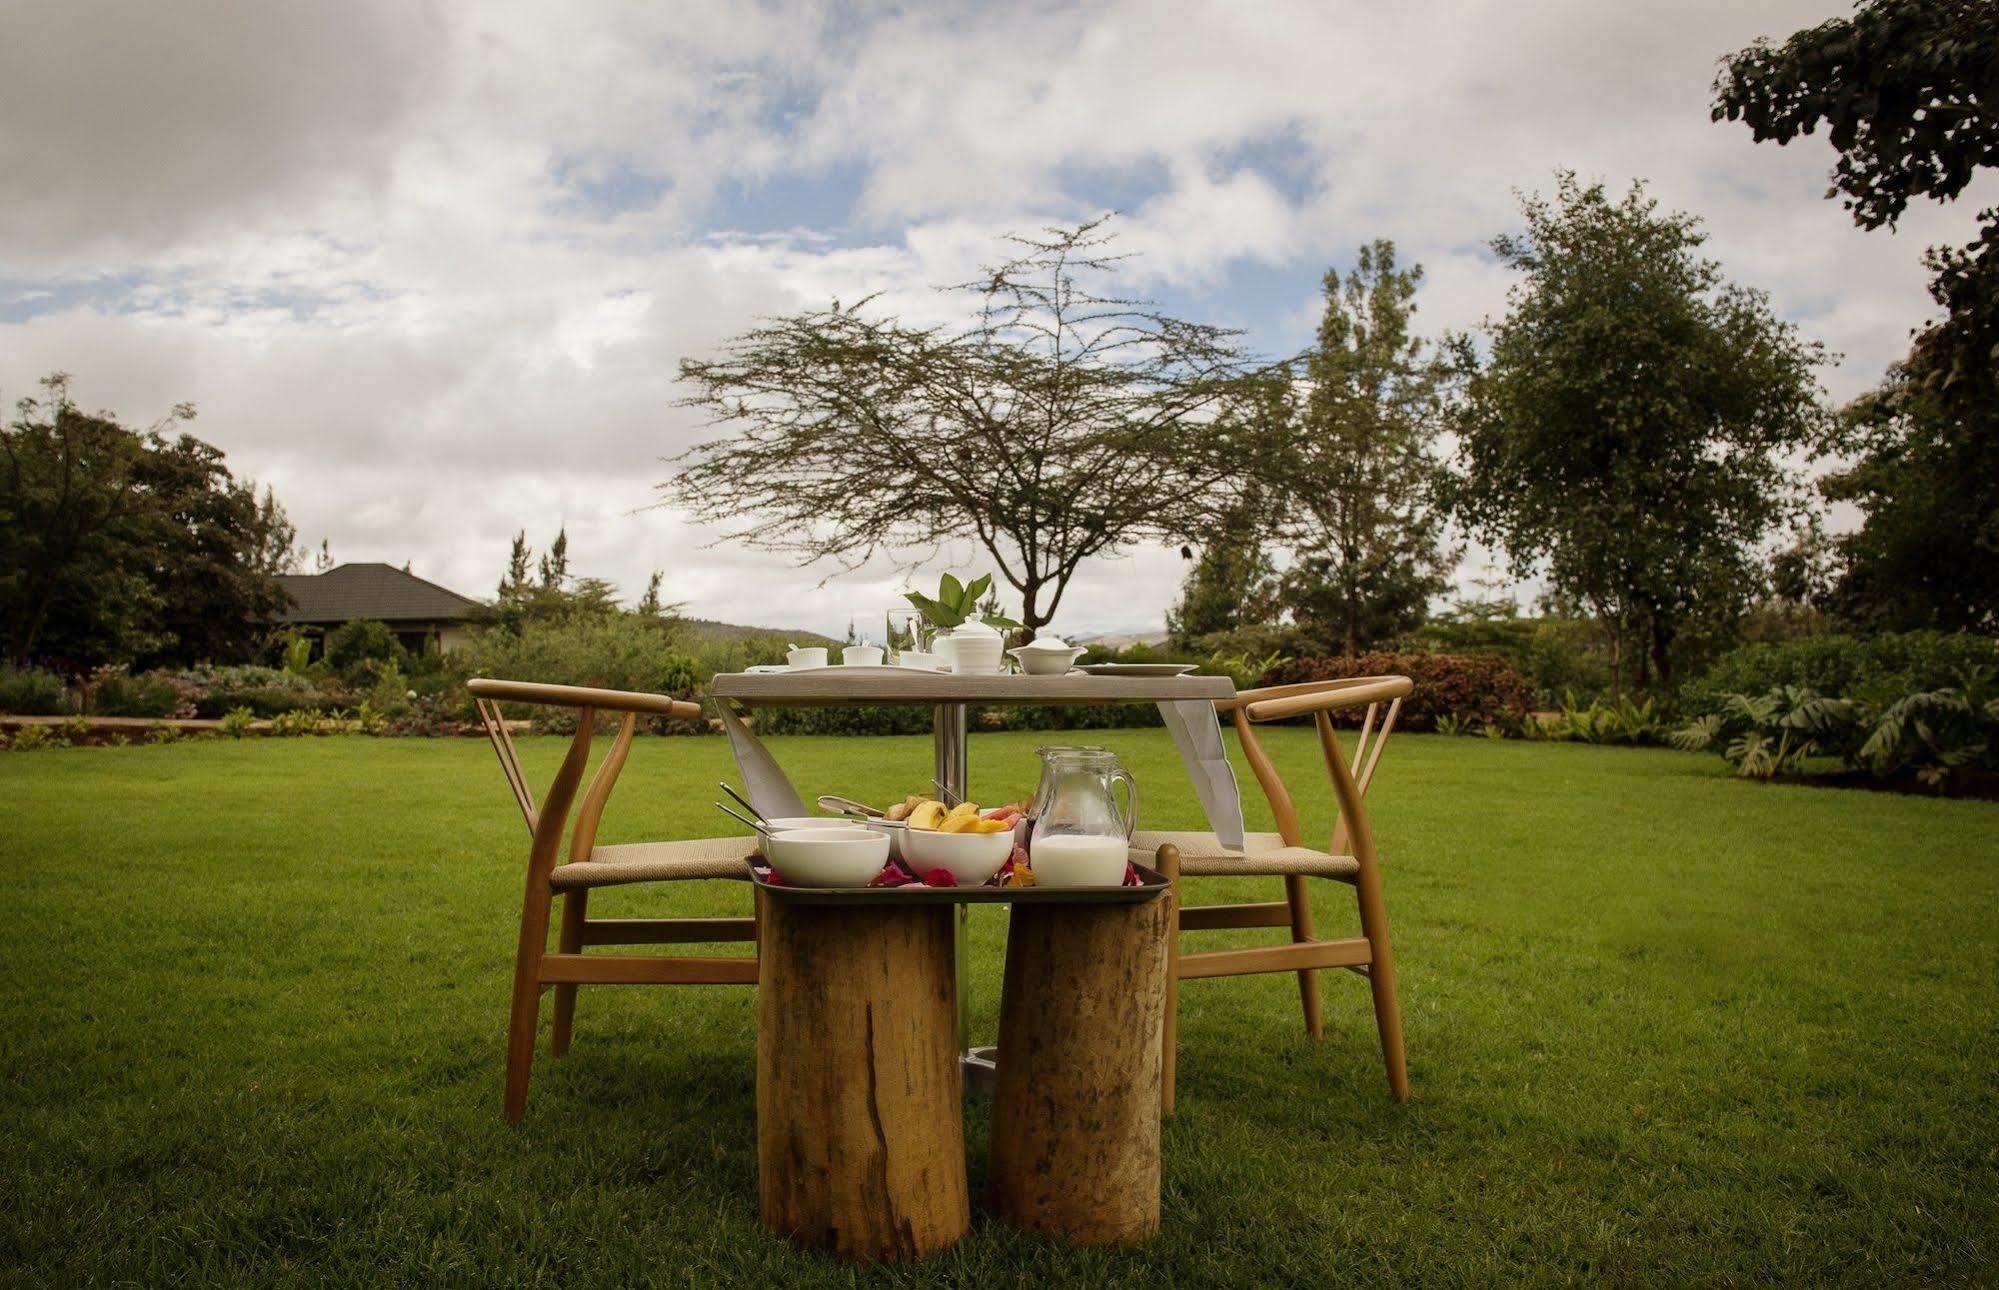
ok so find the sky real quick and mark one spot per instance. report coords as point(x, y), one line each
point(428, 269)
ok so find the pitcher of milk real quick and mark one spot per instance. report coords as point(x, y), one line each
point(1081, 835)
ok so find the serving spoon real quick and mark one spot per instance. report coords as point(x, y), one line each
point(848, 806)
point(741, 801)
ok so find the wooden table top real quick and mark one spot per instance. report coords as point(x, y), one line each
point(820, 686)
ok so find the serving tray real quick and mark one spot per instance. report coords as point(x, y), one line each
point(1153, 885)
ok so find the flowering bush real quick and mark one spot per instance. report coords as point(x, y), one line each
point(1476, 689)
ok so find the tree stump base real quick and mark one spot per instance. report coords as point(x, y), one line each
point(1075, 1127)
point(860, 1129)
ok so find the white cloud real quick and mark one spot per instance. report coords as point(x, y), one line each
point(429, 268)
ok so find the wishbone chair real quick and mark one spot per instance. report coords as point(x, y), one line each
point(590, 866)
point(1351, 859)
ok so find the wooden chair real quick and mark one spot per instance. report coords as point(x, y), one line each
point(1351, 859)
point(590, 866)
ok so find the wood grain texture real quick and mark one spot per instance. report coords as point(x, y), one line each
point(831, 685)
point(860, 1132)
point(1075, 1128)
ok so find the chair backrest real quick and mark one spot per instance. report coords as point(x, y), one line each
point(1321, 699)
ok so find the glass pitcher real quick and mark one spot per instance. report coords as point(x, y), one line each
point(1048, 755)
point(1080, 836)
point(1078, 794)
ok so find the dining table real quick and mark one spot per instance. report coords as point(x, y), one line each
point(1186, 703)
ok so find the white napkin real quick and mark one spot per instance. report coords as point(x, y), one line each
point(1197, 732)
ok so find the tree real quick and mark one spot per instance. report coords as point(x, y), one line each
point(552, 594)
point(1357, 472)
point(1232, 583)
point(121, 546)
point(1061, 422)
point(1628, 436)
point(1926, 483)
point(518, 559)
point(1909, 93)
point(322, 560)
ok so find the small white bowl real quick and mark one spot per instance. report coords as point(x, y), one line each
point(793, 823)
point(920, 661)
point(861, 656)
point(803, 658)
point(894, 829)
point(828, 857)
point(1038, 660)
point(971, 857)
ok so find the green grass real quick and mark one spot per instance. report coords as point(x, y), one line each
point(1663, 1027)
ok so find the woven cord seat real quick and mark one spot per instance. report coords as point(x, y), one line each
point(1203, 856)
point(657, 862)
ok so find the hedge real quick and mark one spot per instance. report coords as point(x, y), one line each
point(1478, 689)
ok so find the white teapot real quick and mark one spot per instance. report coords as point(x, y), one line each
point(971, 648)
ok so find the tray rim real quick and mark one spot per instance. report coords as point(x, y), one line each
point(1153, 885)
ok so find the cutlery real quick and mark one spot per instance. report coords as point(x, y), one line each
point(848, 806)
point(950, 798)
point(741, 801)
point(760, 829)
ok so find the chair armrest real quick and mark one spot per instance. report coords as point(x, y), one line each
point(1281, 701)
point(582, 696)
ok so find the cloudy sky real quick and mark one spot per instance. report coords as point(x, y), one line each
point(428, 269)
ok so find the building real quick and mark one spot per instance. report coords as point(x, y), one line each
point(424, 616)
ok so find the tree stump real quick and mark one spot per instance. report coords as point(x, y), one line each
point(860, 1130)
point(1075, 1128)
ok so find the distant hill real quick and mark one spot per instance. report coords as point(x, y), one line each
point(709, 629)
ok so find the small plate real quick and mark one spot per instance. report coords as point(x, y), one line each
point(1138, 669)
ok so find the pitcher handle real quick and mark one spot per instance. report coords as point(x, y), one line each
point(1131, 794)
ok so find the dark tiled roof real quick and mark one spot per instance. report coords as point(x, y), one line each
point(379, 591)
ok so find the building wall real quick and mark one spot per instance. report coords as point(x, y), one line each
point(452, 636)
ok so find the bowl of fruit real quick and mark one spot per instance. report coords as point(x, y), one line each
point(958, 839)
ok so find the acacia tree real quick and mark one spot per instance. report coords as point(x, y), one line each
point(120, 546)
point(1627, 438)
point(1357, 472)
point(1062, 421)
point(1908, 93)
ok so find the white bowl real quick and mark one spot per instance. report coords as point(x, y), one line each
point(919, 660)
point(828, 857)
point(861, 656)
point(793, 823)
point(894, 829)
point(971, 857)
point(802, 658)
point(1038, 661)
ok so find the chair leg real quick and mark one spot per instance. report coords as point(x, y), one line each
point(535, 912)
point(1301, 930)
point(1381, 977)
point(570, 941)
point(1168, 863)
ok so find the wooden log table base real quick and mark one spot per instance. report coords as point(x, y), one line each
point(1075, 1127)
point(860, 1131)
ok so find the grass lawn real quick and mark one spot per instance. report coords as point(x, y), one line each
point(1663, 1027)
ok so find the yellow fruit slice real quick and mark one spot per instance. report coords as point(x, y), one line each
point(989, 826)
point(926, 815)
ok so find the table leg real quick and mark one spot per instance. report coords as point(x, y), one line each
point(1075, 1128)
point(950, 737)
point(860, 1128)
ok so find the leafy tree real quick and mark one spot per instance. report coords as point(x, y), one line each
point(1232, 583)
point(361, 648)
point(323, 560)
point(518, 559)
point(118, 546)
point(1908, 91)
point(1926, 481)
point(553, 594)
point(1357, 472)
point(1627, 436)
point(1061, 422)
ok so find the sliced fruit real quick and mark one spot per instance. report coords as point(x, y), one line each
point(927, 815)
point(989, 826)
point(897, 812)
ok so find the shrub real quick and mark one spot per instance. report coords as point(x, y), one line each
point(1476, 689)
point(163, 734)
point(267, 691)
point(613, 651)
point(236, 722)
point(298, 721)
point(29, 738)
point(114, 693)
point(1881, 667)
point(32, 692)
point(359, 649)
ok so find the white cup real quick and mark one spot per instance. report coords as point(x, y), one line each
point(813, 657)
point(861, 656)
